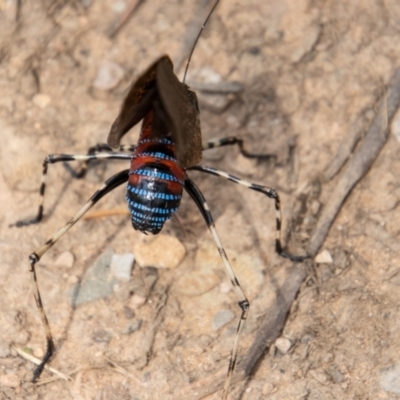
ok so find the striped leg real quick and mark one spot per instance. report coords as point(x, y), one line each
point(271, 193)
point(231, 140)
point(54, 158)
point(244, 304)
point(108, 186)
point(94, 150)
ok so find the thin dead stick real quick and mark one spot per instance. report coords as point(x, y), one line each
point(346, 148)
point(36, 361)
point(275, 319)
point(360, 163)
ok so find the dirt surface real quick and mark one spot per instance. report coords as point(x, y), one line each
point(313, 75)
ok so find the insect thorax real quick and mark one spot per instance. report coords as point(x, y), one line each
point(155, 183)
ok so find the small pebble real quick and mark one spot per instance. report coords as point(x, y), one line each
point(267, 389)
point(324, 258)
point(133, 327)
point(108, 76)
point(225, 287)
point(283, 345)
point(64, 260)
point(222, 318)
point(121, 266)
point(137, 301)
point(9, 380)
point(41, 100)
point(101, 336)
point(128, 312)
point(163, 252)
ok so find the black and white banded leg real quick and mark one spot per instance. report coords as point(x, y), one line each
point(108, 186)
point(55, 158)
point(232, 140)
point(244, 304)
point(95, 150)
point(271, 193)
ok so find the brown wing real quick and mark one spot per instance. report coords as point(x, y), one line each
point(175, 108)
point(137, 103)
point(180, 105)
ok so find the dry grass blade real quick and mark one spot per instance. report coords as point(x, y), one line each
point(36, 361)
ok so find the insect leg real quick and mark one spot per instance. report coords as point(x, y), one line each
point(244, 304)
point(107, 187)
point(94, 150)
point(231, 140)
point(271, 193)
point(54, 158)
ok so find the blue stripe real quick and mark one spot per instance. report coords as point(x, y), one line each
point(163, 141)
point(156, 155)
point(154, 210)
point(147, 218)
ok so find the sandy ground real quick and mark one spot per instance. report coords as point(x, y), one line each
point(313, 74)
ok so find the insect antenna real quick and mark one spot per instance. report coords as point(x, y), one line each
point(197, 39)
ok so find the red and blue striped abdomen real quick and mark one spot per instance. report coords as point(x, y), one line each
point(155, 184)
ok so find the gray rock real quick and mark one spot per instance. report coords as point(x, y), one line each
point(121, 266)
point(389, 378)
point(96, 283)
